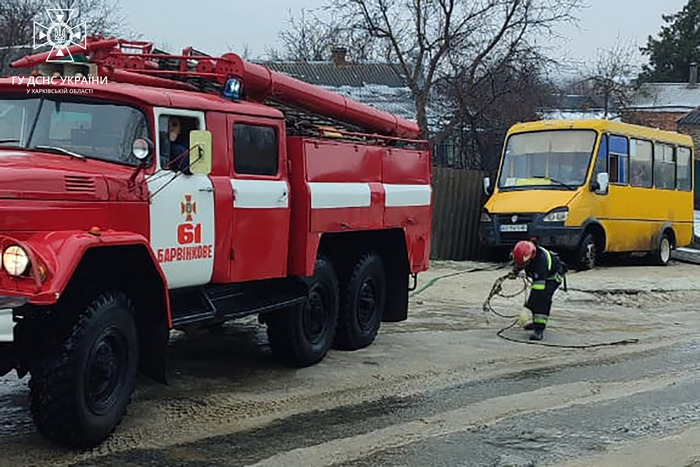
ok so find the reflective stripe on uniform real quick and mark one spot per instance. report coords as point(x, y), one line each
point(540, 319)
point(556, 276)
point(549, 259)
point(538, 285)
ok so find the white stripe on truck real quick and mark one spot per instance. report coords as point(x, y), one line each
point(260, 194)
point(407, 195)
point(331, 195)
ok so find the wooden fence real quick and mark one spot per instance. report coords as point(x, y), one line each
point(458, 197)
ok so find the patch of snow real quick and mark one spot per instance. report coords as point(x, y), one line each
point(573, 115)
point(397, 101)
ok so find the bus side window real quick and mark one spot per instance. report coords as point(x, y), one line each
point(618, 159)
point(664, 167)
point(641, 156)
point(683, 178)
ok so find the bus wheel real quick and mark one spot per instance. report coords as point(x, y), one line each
point(587, 253)
point(662, 255)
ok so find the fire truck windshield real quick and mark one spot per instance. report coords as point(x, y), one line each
point(91, 129)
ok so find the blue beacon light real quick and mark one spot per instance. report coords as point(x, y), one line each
point(232, 89)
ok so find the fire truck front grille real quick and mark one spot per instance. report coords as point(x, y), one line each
point(79, 184)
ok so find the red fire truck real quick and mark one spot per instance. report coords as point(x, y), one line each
point(181, 190)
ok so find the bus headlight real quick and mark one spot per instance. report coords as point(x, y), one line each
point(15, 260)
point(485, 217)
point(558, 215)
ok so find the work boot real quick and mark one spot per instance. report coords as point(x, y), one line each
point(529, 327)
point(537, 335)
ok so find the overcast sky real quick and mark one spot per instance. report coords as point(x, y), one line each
point(215, 26)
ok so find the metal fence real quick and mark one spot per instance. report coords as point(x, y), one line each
point(458, 199)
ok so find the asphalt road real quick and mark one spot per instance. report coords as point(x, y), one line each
point(654, 394)
point(438, 389)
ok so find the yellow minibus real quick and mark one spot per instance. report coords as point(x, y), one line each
point(587, 187)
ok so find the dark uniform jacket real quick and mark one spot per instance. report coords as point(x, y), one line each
point(546, 271)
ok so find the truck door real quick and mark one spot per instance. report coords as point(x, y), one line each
point(261, 204)
point(182, 204)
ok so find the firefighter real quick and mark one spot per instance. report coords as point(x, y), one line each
point(547, 273)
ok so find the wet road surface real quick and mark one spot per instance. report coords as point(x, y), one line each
point(437, 389)
point(621, 400)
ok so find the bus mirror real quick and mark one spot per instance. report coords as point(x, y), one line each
point(200, 152)
point(601, 182)
point(487, 186)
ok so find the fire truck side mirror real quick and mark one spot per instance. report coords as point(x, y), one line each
point(200, 152)
point(141, 149)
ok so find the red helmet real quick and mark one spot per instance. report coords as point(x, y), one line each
point(523, 252)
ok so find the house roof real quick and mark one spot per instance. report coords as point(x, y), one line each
point(693, 118)
point(553, 114)
point(380, 85)
point(666, 97)
point(576, 102)
point(351, 74)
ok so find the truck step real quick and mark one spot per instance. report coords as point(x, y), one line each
point(229, 301)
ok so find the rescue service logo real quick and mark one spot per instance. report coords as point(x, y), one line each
point(188, 208)
point(189, 237)
point(60, 35)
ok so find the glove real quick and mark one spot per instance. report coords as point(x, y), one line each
point(513, 274)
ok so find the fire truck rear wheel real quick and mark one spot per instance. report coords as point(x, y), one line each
point(80, 393)
point(362, 308)
point(301, 336)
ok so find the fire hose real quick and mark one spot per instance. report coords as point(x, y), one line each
point(497, 291)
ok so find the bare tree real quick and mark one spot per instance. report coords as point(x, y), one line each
point(512, 90)
point(306, 38)
point(309, 36)
point(103, 17)
point(611, 76)
point(17, 18)
point(16, 29)
point(435, 40)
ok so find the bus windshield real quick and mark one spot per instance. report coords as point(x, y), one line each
point(556, 159)
point(83, 128)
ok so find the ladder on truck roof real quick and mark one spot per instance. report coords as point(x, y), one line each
point(309, 109)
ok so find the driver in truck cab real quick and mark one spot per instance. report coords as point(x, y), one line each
point(177, 159)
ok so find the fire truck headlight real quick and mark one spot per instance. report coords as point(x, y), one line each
point(15, 260)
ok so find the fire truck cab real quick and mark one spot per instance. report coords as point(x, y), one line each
point(151, 202)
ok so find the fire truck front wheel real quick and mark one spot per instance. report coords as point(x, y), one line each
point(79, 393)
point(362, 308)
point(301, 336)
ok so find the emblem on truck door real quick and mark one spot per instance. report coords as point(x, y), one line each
point(189, 237)
point(188, 207)
point(189, 232)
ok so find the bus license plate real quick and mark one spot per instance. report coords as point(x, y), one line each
point(514, 228)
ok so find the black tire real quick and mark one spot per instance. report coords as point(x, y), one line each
point(587, 254)
point(79, 394)
point(301, 336)
point(662, 255)
point(362, 305)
